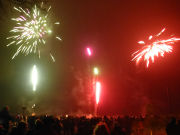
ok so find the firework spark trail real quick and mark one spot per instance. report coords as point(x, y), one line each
point(89, 51)
point(34, 77)
point(31, 31)
point(155, 48)
point(98, 90)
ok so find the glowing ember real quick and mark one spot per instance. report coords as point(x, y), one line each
point(154, 48)
point(89, 51)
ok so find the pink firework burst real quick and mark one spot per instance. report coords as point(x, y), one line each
point(155, 47)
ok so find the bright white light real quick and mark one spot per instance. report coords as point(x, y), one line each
point(98, 90)
point(49, 31)
point(34, 105)
point(89, 51)
point(34, 77)
point(96, 71)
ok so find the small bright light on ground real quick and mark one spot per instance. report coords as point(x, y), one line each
point(34, 77)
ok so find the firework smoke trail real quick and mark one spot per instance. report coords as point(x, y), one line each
point(156, 47)
point(31, 31)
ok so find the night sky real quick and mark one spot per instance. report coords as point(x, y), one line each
point(112, 29)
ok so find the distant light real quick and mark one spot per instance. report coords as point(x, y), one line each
point(98, 91)
point(34, 105)
point(49, 31)
point(57, 23)
point(58, 38)
point(33, 114)
point(34, 77)
point(96, 71)
point(89, 51)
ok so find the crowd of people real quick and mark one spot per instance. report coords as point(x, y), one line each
point(83, 125)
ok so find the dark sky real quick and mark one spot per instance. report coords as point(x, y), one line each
point(112, 28)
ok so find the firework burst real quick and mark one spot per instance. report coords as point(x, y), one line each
point(155, 47)
point(31, 30)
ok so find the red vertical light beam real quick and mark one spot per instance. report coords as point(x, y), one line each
point(98, 91)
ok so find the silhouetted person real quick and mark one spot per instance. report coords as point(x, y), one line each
point(21, 129)
point(117, 130)
point(178, 127)
point(101, 129)
point(2, 131)
point(5, 117)
point(171, 128)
